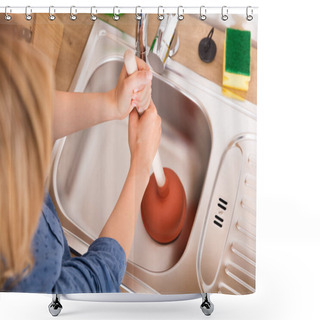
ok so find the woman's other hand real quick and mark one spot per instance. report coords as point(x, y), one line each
point(144, 137)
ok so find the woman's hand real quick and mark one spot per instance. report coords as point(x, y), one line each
point(144, 138)
point(133, 91)
point(74, 111)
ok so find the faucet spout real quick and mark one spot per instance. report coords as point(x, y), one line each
point(141, 36)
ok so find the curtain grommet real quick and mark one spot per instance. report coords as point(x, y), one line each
point(7, 16)
point(160, 15)
point(92, 16)
point(115, 16)
point(180, 13)
point(28, 15)
point(224, 13)
point(51, 15)
point(249, 16)
point(138, 15)
point(203, 15)
point(73, 15)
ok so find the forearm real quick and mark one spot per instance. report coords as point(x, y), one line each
point(122, 221)
point(76, 111)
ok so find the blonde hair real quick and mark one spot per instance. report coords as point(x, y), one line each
point(26, 95)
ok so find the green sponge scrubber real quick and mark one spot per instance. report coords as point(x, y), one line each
point(236, 60)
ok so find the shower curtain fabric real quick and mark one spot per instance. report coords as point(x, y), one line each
point(204, 88)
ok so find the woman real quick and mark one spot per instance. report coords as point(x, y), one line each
point(34, 255)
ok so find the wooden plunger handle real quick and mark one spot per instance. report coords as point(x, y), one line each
point(131, 67)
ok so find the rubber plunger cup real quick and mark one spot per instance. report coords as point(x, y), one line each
point(163, 207)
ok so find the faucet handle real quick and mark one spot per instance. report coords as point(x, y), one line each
point(165, 43)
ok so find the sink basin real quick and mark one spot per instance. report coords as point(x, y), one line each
point(207, 139)
point(94, 164)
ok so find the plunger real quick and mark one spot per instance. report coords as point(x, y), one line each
point(163, 207)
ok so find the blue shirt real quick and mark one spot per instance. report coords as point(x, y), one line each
point(101, 269)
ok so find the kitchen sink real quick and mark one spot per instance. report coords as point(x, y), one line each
point(94, 164)
point(207, 139)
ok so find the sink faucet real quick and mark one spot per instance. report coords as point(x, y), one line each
point(141, 36)
point(165, 43)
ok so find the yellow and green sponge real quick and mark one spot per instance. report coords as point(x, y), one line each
point(236, 59)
